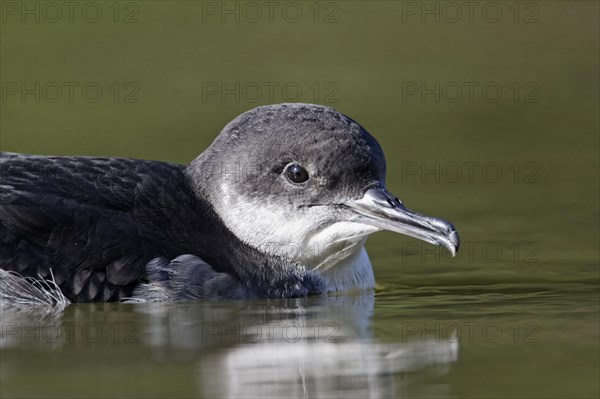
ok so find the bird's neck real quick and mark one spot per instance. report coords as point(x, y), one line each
point(352, 272)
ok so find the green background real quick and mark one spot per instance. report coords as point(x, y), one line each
point(367, 55)
point(363, 56)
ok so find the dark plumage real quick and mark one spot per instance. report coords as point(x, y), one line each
point(108, 229)
point(98, 222)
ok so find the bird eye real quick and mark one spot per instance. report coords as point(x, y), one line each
point(296, 174)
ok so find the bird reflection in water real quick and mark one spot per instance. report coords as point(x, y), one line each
point(323, 346)
point(309, 347)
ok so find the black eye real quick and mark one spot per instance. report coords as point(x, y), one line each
point(296, 174)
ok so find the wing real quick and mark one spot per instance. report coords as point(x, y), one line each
point(95, 222)
point(186, 278)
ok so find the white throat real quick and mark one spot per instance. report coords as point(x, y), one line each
point(354, 273)
point(334, 251)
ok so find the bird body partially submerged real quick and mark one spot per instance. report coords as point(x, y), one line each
point(103, 225)
point(280, 205)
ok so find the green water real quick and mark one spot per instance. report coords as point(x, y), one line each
point(516, 314)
